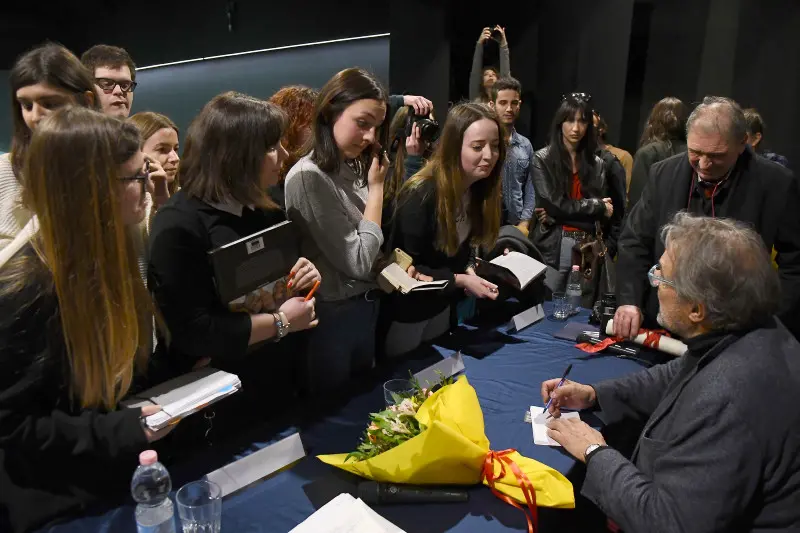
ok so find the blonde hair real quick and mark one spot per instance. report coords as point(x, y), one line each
point(445, 169)
point(148, 124)
point(84, 249)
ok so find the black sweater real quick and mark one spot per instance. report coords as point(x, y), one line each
point(55, 458)
point(182, 279)
point(414, 231)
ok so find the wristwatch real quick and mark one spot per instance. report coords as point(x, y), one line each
point(590, 449)
point(281, 324)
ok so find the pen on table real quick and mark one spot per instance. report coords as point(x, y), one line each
point(312, 291)
point(563, 379)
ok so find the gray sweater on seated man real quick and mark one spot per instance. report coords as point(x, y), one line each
point(720, 450)
point(329, 211)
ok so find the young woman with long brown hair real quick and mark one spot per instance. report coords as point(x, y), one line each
point(664, 135)
point(42, 80)
point(160, 143)
point(450, 207)
point(335, 196)
point(75, 323)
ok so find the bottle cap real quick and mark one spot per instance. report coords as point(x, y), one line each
point(148, 457)
point(576, 268)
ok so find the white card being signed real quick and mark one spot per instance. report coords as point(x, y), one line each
point(539, 422)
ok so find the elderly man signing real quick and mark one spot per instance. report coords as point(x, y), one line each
point(719, 449)
point(719, 176)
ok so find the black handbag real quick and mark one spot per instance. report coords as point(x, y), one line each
point(598, 271)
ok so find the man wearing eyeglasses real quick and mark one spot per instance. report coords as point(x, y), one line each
point(114, 78)
point(719, 427)
point(719, 176)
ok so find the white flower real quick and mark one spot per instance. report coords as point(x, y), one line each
point(407, 407)
point(397, 427)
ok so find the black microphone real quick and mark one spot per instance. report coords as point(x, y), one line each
point(385, 494)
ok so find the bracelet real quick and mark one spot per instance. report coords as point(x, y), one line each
point(285, 320)
point(281, 326)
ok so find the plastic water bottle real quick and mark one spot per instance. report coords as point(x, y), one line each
point(574, 292)
point(150, 488)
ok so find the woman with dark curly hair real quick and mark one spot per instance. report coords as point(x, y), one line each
point(664, 136)
point(297, 101)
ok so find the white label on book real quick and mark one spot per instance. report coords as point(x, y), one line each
point(255, 245)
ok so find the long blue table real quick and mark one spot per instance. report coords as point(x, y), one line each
point(506, 369)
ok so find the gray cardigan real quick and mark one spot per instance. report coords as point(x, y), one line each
point(329, 211)
point(720, 450)
point(476, 74)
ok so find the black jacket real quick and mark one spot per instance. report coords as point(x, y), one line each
point(414, 231)
point(714, 455)
point(759, 192)
point(647, 156)
point(55, 457)
point(553, 195)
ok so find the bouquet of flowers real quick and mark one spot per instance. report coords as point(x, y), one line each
point(437, 438)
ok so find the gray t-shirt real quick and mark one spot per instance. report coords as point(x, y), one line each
point(335, 236)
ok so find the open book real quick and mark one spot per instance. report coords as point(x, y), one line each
point(185, 395)
point(346, 514)
point(515, 269)
point(395, 278)
point(250, 273)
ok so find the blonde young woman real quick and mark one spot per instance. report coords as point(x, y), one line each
point(75, 323)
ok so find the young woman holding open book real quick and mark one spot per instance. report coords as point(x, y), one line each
point(335, 196)
point(232, 155)
point(448, 208)
point(75, 323)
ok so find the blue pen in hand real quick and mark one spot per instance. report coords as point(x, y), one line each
point(563, 379)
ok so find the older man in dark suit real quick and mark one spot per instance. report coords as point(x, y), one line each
point(720, 449)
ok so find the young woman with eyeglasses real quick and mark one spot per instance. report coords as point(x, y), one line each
point(42, 80)
point(572, 189)
point(75, 324)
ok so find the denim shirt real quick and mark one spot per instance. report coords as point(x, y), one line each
point(518, 194)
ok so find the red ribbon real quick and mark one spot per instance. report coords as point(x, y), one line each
point(524, 484)
point(652, 338)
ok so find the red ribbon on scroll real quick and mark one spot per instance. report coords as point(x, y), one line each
point(524, 484)
point(652, 338)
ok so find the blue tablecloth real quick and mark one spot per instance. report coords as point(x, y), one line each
point(506, 369)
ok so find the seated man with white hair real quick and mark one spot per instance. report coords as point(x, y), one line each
point(719, 449)
point(719, 176)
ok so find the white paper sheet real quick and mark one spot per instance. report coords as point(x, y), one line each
point(539, 422)
point(346, 514)
point(525, 267)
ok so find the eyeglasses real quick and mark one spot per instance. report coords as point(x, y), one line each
point(140, 176)
point(577, 97)
point(654, 275)
point(107, 84)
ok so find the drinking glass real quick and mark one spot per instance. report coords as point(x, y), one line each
point(561, 306)
point(200, 507)
point(395, 390)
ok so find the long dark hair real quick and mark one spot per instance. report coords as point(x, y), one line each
point(558, 158)
point(54, 65)
point(344, 88)
point(667, 122)
point(445, 169)
point(225, 149)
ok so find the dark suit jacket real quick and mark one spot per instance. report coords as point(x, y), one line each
point(719, 450)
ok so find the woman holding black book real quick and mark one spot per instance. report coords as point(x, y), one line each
point(450, 207)
point(232, 156)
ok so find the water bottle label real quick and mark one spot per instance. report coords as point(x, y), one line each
point(164, 527)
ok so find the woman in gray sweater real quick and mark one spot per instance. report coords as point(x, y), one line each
point(335, 196)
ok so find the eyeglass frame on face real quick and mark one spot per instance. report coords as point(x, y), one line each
point(656, 280)
point(131, 85)
point(141, 176)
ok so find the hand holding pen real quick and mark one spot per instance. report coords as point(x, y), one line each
point(561, 393)
point(304, 276)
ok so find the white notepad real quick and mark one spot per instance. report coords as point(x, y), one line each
point(539, 422)
point(524, 267)
point(185, 395)
point(346, 514)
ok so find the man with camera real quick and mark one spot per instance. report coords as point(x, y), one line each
point(719, 176)
point(719, 427)
point(518, 195)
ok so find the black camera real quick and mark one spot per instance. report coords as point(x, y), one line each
point(604, 310)
point(428, 127)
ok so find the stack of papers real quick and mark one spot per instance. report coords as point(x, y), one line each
point(539, 422)
point(185, 395)
point(346, 514)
